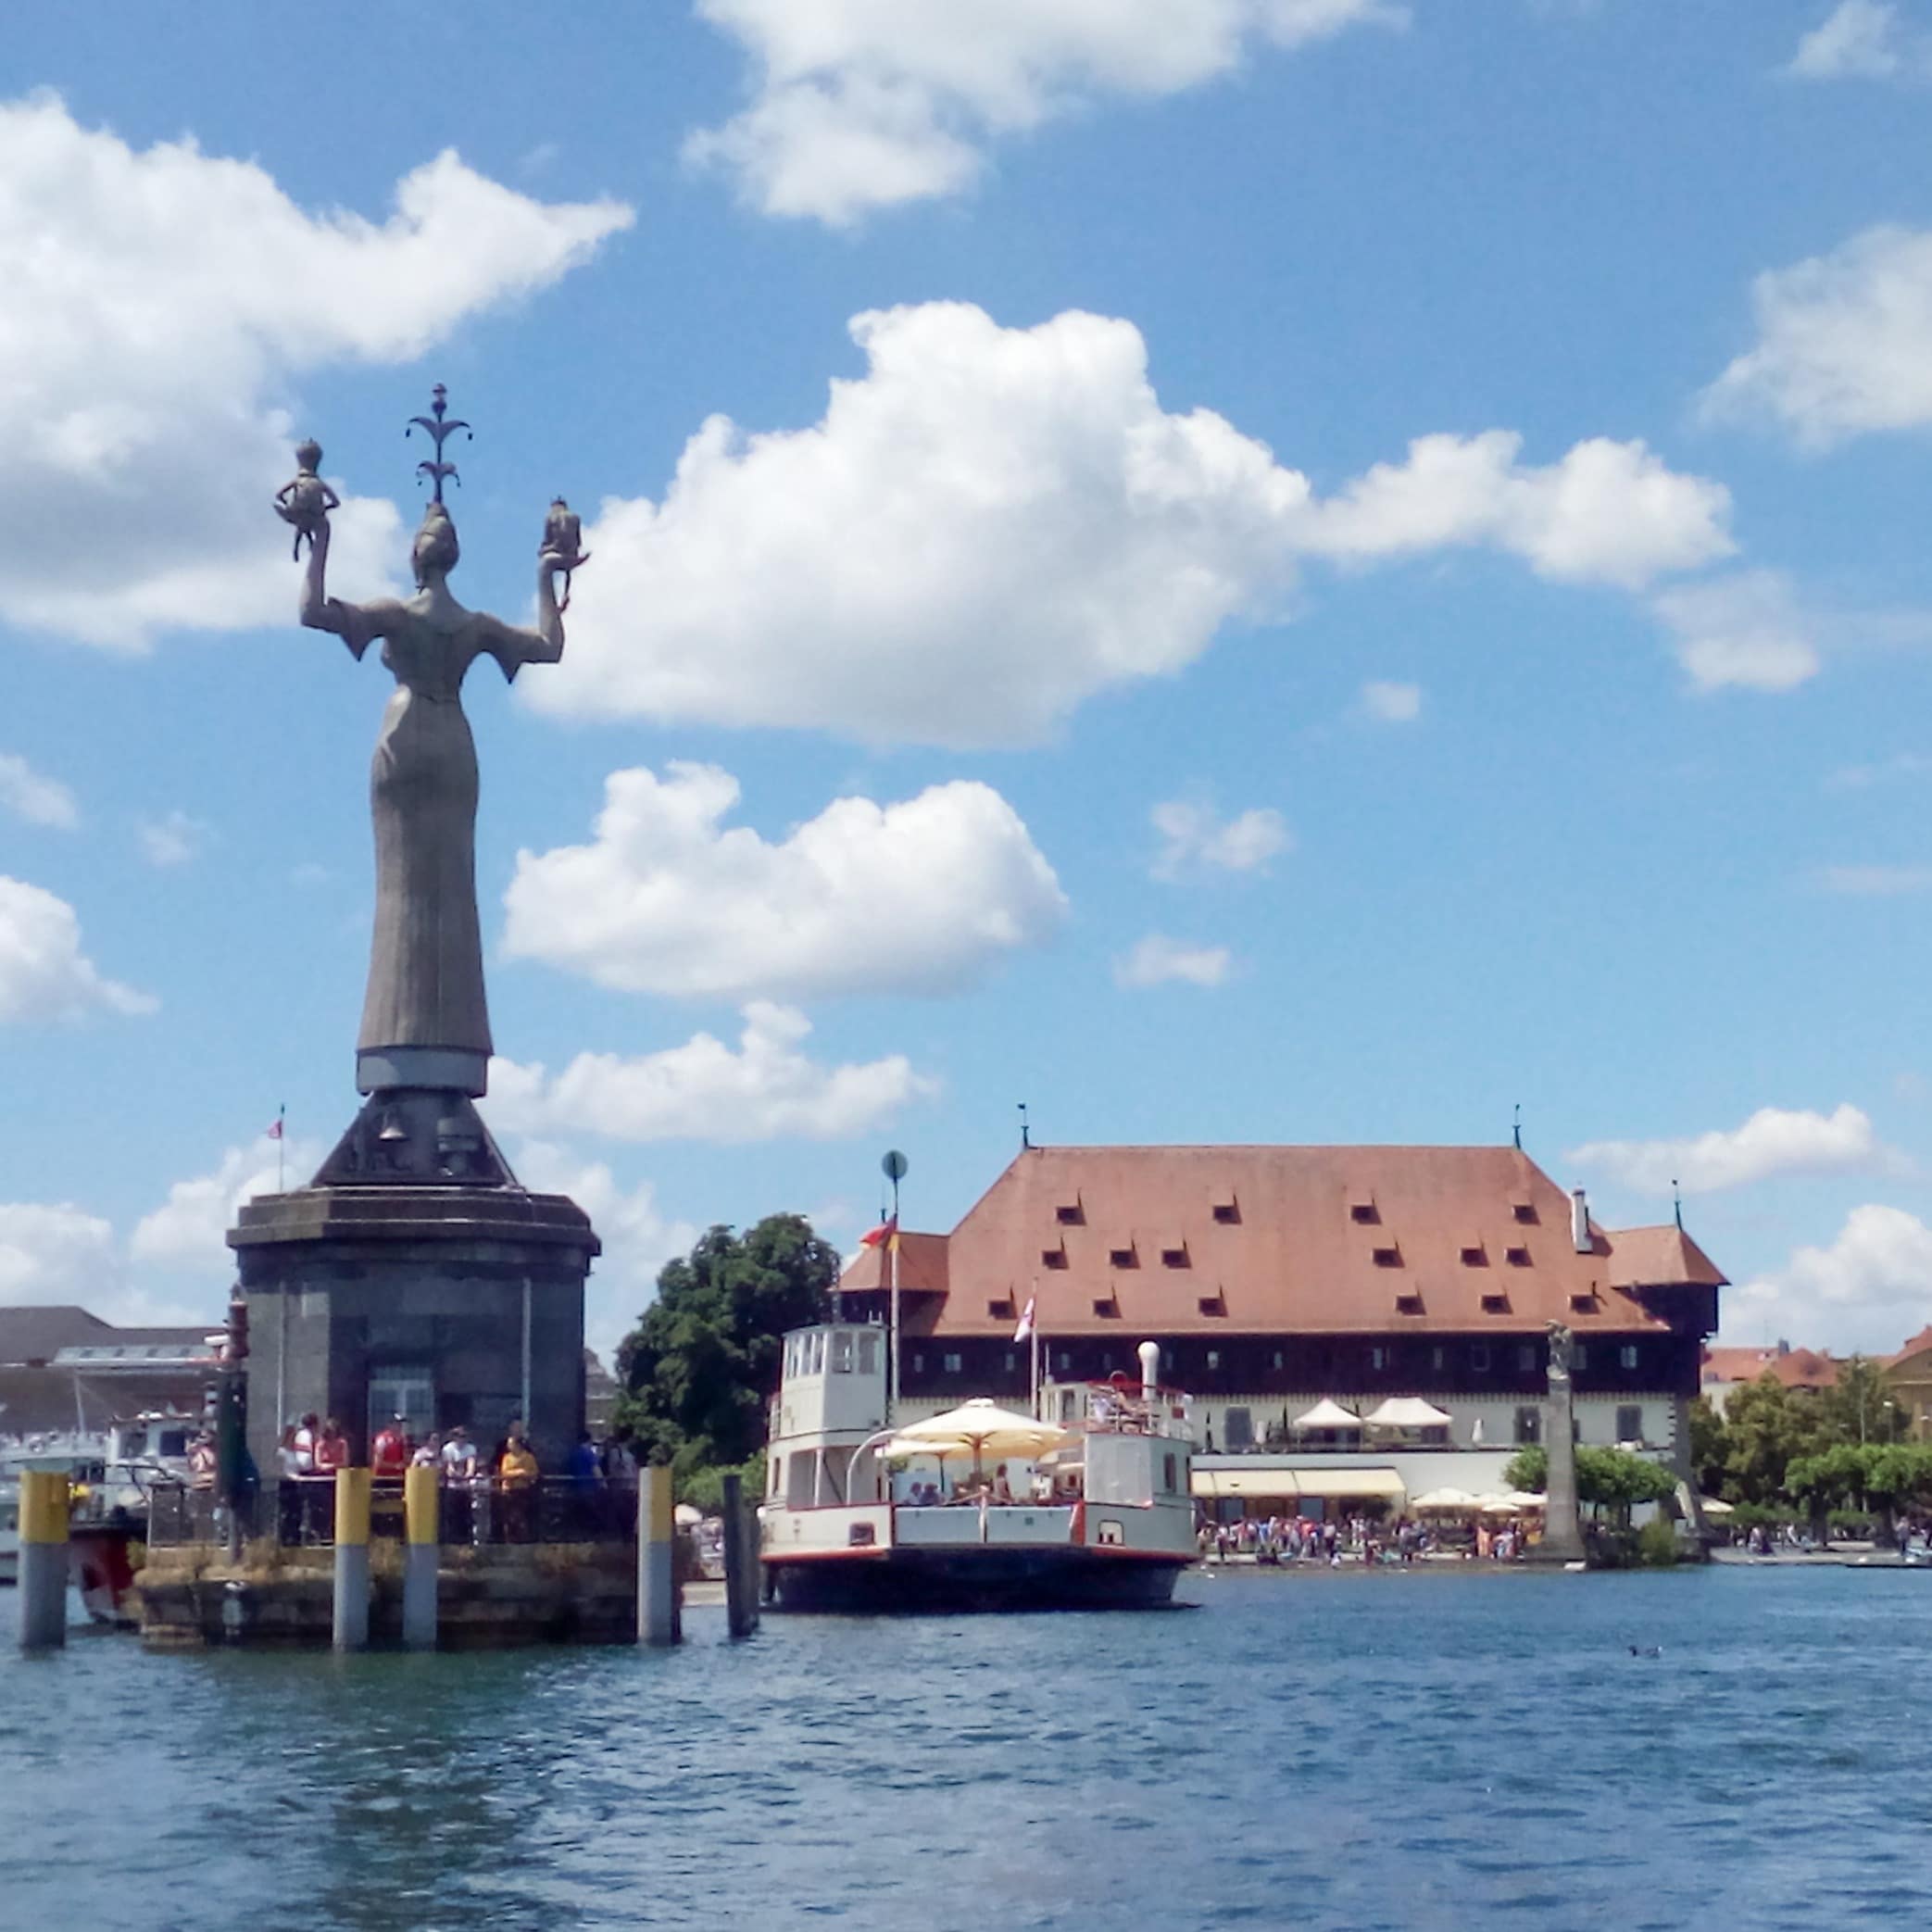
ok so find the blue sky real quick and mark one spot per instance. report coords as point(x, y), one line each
point(1232, 570)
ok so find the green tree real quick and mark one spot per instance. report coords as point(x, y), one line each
point(703, 1362)
point(1767, 1425)
point(1608, 1480)
point(1710, 1448)
point(1860, 1406)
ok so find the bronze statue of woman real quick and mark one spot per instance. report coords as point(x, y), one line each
point(425, 1023)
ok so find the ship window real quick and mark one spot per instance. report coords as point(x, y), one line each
point(950, 1364)
point(1069, 1215)
point(1388, 1258)
point(816, 1341)
point(1170, 1474)
point(1123, 1257)
point(1517, 1257)
point(791, 1355)
point(842, 1353)
point(868, 1353)
point(777, 1476)
point(1053, 1257)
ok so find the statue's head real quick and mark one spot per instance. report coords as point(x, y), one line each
point(308, 455)
point(435, 550)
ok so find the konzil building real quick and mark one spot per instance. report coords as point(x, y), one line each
point(1274, 1277)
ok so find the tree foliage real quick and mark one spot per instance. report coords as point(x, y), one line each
point(1817, 1448)
point(1608, 1479)
point(703, 1361)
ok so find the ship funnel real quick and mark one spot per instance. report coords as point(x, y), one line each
point(1150, 1353)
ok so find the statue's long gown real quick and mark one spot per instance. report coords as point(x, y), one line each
point(425, 967)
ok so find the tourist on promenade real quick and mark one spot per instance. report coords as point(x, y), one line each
point(459, 1477)
point(389, 1454)
point(332, 1450)
point(292, 1463)
point(428, 1453)
point(517, 1474)
point(620, 1460)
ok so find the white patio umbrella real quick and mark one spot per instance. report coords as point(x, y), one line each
point(1406, 1412)
point(1327, 1414)
point(1447, 1499)
point(981, 1427)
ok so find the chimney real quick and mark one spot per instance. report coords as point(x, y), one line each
point(1580, 1222)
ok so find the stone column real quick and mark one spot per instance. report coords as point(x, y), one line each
point(1562, 1533)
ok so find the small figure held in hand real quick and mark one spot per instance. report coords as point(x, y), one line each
point(305, 501)
point(562, 546)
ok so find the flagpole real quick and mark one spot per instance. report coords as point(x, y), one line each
point(1033, 1337)
point(894, 1167)
point(282, 1149)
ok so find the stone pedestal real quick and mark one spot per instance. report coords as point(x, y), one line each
point(460, 1297)
point(1562, 1531)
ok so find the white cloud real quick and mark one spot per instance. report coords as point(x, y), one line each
point(1774, 1141)
point(1605, 513)
point(1392, 704)
point(1156, 960)
point(1844, 342)
point(638, 1237)
point(919, 897)
point(1861, 40)
point(991, 526)
point(1193, 839)
point(863, 104)
point(172, 840)
point(56, 1254)
point(1862, 778)
point(1882, 882)
point(767, 1090)
point(159, 305)
point(189, 1229)
point(1867, 1291)
point(1745, 632)
point(43, 973)
point(32, 795)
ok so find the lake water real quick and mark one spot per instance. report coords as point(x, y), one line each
point(1394, 1750)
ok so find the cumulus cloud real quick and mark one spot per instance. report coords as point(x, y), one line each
point(1844, 342)
point(918, 896)
point(768, 1089)
point(638, 1236)
point(160, 303)
point(1774, 1141)
point(189, 1229)
point(171, 840)
point(991, 526)
point(56, 1254)
point(1158, 960)
point(31, 796)
point(858, 105)
point(1392, 704)
point(43, 973)
point(1867, 1291)
point(1193, 839)
point(1745, 631)
point(1863, 40)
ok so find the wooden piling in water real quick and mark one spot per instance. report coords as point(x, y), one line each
point(44, 1559)
point(422, 1555)
point(740, 1563)
point(351, 1627)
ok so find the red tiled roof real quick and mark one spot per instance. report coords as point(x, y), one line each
point(1659, 1257)
point(1284, 1239)
point(1796, 1368)
point(1916, 1345)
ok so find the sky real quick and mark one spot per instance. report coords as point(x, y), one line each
point(1245, 571)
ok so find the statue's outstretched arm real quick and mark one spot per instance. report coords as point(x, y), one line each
point(357, 624)
point(513, 646)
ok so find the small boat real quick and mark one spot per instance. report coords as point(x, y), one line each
point(977, 1507)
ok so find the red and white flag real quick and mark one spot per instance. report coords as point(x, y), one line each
point(273, 1130)
point(885, 1235)
point(1025, 1328)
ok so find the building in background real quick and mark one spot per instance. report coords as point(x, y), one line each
point(64, 1369)
point(1725, 1370)
point(1276, 1277)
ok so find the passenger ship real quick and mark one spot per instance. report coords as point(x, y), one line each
point(977, 1508)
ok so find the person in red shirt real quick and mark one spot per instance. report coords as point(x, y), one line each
point(390, 1456)
point(331, 1449)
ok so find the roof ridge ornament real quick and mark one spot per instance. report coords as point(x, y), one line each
point(439, 433)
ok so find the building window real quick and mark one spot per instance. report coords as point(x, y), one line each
point(1213, 1358)
point(1583, 1304)
point(1496, 1304)
point(1526, 1358)
point(1364, 1214)
point(1001, 1311)
point(1524, 1212)
point(1438, 1359)
point(1279, 1359)
point(1476, 1257)
point(1408, 1303)
point(1053, 1257)
point(1227, 1212)
point(1580, 1356)
point(918, 1365)
point(1069, 1215)
point(1516, 1257)
point(1212, 1305)
point(1012, 1361)
point(1123, 1258)
point(1630, 1422)
point(950, 1364)
point(1479, 1355)
point(1236, 1429)
point(1627, 1356)
point(1530, 1424)
point(1378, 1358)
point(1174, 1257)
point(1388, 1258)
point(1065, 1361)
point(1107, 1305)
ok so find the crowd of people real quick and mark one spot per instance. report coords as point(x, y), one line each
point(1307, 1539)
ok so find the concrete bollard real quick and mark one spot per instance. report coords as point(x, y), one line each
point(352, 1559)
point(740, 1561)
point(422, 1552)
point(44, 1559)
point(656, 1558)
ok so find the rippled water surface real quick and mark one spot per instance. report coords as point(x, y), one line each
point(1409, 1749)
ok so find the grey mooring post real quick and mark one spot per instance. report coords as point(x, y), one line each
point(740, 1561)
point(656, 1558)
point(44, 1559)
point(422, 1554)
point(351, 1620)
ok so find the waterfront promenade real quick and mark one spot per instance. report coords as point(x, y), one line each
point(1408, 1749)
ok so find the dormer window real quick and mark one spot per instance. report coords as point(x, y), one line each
point(1107, 1308)
point(1053, 1257)
point(1128, 1257)
point(1517, 1257)
point(1474, 1255)
point(1070, 1214)
point(1388, 1258)
point(1410, 1302)
point(1227, 1211)
point(1524, 1209)
point(1175, 1257)
point(1583, 1304)
point(1215, 1304)
point(1001, 1311)
point(1496, 1304)
point(1361, 1210)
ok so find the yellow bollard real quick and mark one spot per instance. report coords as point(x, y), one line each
point(352, 1559)
point(657, 1558)
point(422, 1508)
point(44, 1559)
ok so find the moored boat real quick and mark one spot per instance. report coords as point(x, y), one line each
point(978, 1507)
